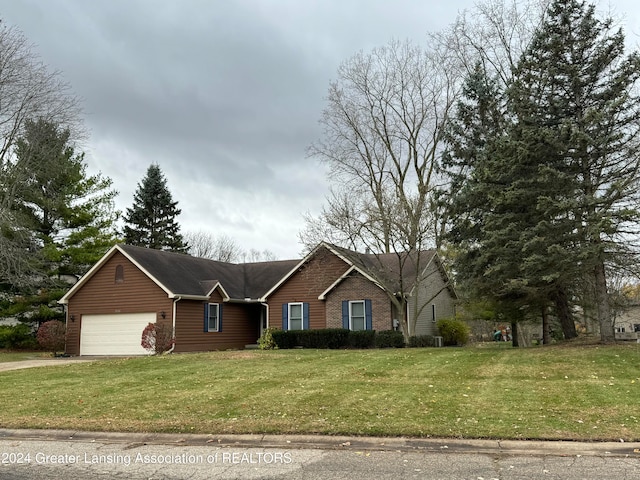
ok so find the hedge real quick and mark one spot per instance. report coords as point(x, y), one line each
point(389, 339)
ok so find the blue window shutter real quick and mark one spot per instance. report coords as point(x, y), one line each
point(305, 316)
point(345, 314)
point(219, 317)
point(206, 317)
point(368, 315)
point(285, 316)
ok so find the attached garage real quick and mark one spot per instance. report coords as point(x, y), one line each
point(114, 334)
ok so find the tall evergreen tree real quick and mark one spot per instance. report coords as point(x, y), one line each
point(560, 190)
point(575, 92)
point(70, 215)
point(151, 221)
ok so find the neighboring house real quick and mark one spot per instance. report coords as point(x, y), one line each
point(627, 323)
point(214, 305)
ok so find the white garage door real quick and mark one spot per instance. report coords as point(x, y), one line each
point(117, 334)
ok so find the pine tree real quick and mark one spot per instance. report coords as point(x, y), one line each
point(575, 94)
point(151, 221)
point(70, 215)
point(556, 196)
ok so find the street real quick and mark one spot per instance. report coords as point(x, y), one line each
point(23, 458)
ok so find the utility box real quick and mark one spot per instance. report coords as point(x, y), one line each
point(437, 341)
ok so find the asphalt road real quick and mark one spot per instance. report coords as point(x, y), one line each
point(54, 455)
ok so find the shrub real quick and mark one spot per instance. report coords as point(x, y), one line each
point(323, 338)
point(51, 335)
point(453, 331)
point(362, 339)
point(266, 341)
point(157, 338)
point(284, 338)
point(419, 341)
point(389, 339)
point(17, 336)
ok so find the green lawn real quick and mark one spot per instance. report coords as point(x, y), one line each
point(557, 392)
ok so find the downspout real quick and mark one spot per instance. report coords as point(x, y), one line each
point(173, 314)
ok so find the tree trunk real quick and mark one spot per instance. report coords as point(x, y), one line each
point(564, 313)
point(607, 334)
point(514, 335)
point(546, 334)
point(400, 313)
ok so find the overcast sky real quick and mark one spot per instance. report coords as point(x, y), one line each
point(224, 95)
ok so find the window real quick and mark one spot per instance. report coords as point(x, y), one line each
point(620, 330)
point(433, 312)
point(295, 316)
point(213, 318)
point(636, 327)
point(119, 274)
point(357, 316)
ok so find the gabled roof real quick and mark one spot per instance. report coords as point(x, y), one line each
point(394, 272)
point(181, 275)
point(381, 269)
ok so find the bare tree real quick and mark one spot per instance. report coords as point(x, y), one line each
point(383, 133)
point(494, 34)
point(222, 248)
point(254, 255)
point(28, 91)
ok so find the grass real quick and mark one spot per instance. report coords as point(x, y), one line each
point(556, 392)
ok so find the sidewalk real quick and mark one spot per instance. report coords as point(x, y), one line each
point(324, 442)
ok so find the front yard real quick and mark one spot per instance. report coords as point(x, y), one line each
point(557, 392)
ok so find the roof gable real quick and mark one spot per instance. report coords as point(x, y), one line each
point(181, 275)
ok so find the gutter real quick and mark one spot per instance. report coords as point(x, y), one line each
point(173, 314)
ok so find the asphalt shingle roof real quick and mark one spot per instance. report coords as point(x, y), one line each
point(183, 274)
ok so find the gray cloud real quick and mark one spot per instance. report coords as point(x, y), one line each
point(223, 95)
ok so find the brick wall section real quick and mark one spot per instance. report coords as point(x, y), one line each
point(357, 287)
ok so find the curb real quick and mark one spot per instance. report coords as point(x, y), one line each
point(326, 442)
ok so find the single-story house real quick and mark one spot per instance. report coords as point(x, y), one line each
point(214, 305)
point(627, 322)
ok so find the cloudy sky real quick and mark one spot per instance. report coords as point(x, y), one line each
point(225, 95)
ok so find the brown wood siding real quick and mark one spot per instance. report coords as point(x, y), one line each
point(357, 287)
point(102, 295)
point(240, 326)
point(305, 285)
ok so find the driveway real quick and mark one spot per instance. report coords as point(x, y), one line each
point(6, 366)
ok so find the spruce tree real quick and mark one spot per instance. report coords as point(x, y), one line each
point(556, 198)
point(575, 97)
point(69, 214)
point(151, 221)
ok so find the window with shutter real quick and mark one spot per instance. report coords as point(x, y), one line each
point(213, 318)
point(296, 316)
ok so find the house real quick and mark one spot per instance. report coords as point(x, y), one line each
point(215, 305)
point(627, 322)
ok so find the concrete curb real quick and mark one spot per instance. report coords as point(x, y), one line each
point(326, 442)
